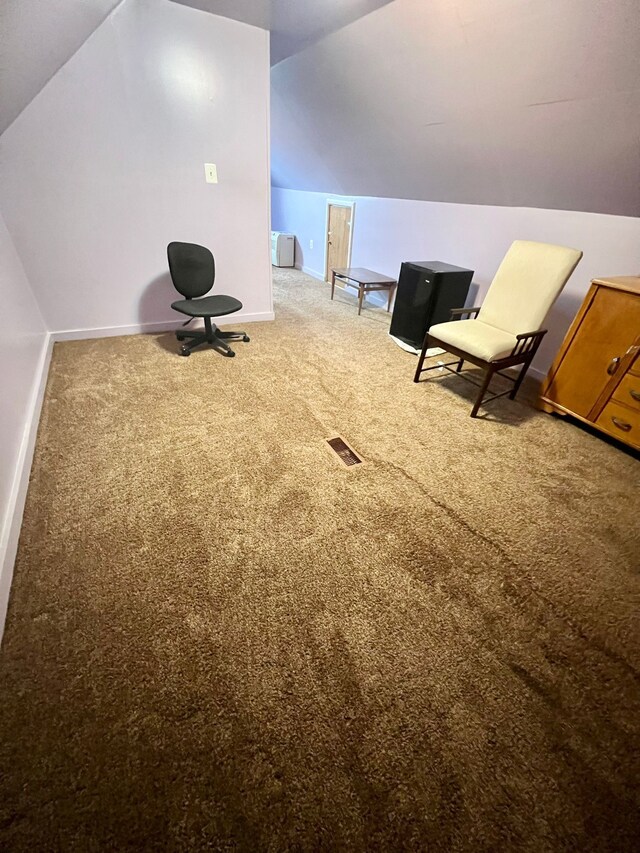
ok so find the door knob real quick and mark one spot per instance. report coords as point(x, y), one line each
point(613, 365)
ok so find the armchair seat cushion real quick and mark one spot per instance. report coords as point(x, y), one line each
point(476, 338)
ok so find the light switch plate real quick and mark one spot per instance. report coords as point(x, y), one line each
point(211, 173)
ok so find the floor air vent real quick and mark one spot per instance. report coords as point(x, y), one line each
point(344, 452)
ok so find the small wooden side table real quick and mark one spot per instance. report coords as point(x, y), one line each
point(365, 280)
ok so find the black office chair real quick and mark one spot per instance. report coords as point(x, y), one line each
point(193, 272)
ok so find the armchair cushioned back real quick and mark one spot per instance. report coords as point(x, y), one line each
point(526, 285)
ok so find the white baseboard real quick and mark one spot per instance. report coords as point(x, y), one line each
point(312, 273)
point(151, 328)
point(113, 331)
point(17, 496)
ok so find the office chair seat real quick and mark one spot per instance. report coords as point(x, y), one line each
point(209, 306)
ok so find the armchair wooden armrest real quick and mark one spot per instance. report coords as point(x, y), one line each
point(460, 312)
point(528, 341)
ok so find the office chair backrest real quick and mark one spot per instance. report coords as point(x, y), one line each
point(526, 285)
point(192, 269)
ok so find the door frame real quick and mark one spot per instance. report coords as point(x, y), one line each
point(337, 202)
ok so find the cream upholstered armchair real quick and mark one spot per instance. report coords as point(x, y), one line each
point(506, 331)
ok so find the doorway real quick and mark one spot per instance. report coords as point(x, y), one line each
point(339, 236)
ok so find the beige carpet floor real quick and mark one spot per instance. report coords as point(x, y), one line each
point(221, 639)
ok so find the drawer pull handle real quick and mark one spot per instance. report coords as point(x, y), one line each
point(613, 366)
point(635, 395)
point(623, 425)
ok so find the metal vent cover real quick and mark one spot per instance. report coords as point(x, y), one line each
point(346, 454)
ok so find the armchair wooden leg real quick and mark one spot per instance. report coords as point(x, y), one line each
point(423, 355)
point(518, 381)
point(459, 367)
point(482, 392)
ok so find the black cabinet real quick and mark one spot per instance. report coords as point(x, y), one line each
point(427, 291)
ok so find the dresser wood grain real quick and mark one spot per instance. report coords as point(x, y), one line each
point(596, 375)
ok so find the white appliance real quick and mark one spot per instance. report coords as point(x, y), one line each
point(282, 249)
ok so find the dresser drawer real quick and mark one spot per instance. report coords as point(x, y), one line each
point(628, 391)
point(621, 422)
point(604, 333)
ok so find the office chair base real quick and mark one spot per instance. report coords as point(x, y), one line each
point(213, 336)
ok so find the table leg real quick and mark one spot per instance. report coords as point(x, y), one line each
point(361, 294)
point(333, 283)
point(391, 289)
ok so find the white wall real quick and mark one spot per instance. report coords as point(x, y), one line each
point(105, 167)
point(389, 231)
point(23, 350)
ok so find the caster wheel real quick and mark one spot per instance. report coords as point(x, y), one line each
point(230, 353)
point(180, 337)
point(185, 351)
point(246, 339)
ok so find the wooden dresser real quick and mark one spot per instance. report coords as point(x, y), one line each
point(596, 375)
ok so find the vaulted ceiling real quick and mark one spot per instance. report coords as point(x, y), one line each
point(532, 103)
point(294, 24)
point(38, 37)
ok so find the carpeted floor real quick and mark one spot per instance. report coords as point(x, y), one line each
point(221, 639)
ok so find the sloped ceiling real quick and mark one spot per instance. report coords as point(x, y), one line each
point(37, 38)
point(532, 103)
point(294, 24)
